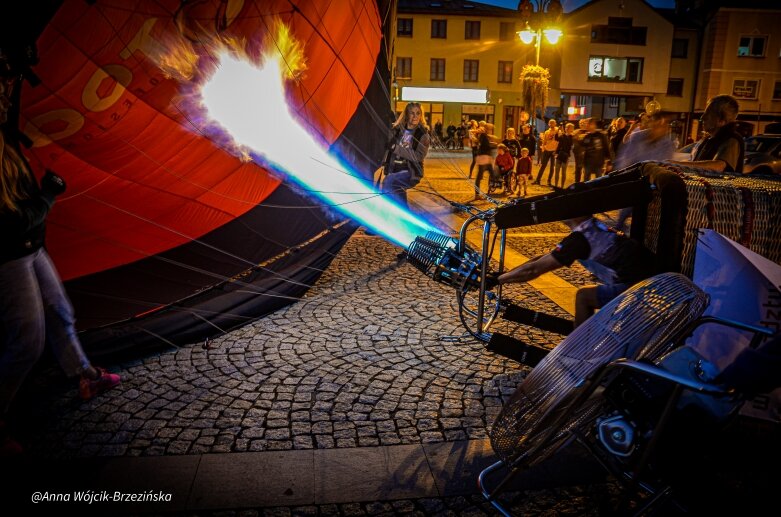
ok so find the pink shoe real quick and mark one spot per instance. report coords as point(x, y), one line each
point(8, 446)
point(89, 389)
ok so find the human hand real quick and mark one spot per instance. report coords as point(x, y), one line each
point(491, 280)
point(52, 184)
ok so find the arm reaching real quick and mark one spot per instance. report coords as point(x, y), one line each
point(530, 270)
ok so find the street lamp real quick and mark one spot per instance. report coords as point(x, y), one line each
point(548, 12)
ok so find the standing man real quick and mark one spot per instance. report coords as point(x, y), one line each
point(577, 147)
point(596, 151)
point(562, 155)
point(617, 135)
point(549, 146)
point(649, 143)
point(722, 148)
point(527, 140)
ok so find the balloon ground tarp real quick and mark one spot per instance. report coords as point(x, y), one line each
point(167, 232)
point(742, 286)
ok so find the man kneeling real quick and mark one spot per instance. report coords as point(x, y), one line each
point(615, 259)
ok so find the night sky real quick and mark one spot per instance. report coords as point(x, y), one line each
point(569, 5)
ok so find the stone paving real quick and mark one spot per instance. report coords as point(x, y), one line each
point(359, 361)
point(373, 355)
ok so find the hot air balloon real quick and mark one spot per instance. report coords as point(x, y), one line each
point(166, 235)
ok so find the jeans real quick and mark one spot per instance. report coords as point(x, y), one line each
point(481, 169)
point(547, 156)
point(578, 167)
point(590, 169)
point(396, 185)
point(34, 310)
point(561, 168)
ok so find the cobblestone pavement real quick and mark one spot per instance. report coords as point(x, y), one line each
point(360, 361)
point(373, 355)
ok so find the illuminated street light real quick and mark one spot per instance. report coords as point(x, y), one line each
point(552, 35)
point(548, 12)
point(527, 35)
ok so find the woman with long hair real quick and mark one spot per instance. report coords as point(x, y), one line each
point(34, 309)
point(408, 147)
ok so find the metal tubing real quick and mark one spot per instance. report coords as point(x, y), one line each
point(483, 271)
point(462, 234)
point(489, 495)
point(649, 369)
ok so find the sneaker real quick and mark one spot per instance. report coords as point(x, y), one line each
point(8, 446)
point(89, 389)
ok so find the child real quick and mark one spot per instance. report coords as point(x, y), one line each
point(524, 170)
point(504, 161)
point(512, 143)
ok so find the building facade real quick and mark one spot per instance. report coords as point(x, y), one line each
point(741, 55)
point(459, 45)
point(614, 58)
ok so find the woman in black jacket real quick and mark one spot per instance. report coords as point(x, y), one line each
point(34, 309)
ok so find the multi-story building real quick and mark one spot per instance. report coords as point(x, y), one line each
point(615, 57)
point(741, 55)
point(682, 73)
point(454, 46)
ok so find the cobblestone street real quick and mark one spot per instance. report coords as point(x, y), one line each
point(374, 355)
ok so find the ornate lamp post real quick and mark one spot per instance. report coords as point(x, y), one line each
point(541, 22)
point(535, 79)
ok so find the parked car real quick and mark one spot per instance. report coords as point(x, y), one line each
point(684, 154)
point(763, 155)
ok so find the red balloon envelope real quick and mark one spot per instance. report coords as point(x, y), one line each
point(159, 217)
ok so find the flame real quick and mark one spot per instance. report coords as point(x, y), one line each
point(179, 61)
point(288, 49)
point(246, 99)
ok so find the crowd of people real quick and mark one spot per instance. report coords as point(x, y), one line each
point(593, 150)
point(606, 251)
point(596, 148)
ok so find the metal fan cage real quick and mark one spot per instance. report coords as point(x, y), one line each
point(425, 252)
point(640, 324)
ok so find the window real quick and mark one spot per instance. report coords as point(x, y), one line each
point(472, 30)
point(404, 27)
point(753, 46)
point(777, 91)
point(404, 68)
point(615, 69)
point(471, 67)
point(745, 88)
point(505, 72)
point(680, 48)
point(618, 30)
point(507, 31)
point(439, 28)
point(437, 69)
point(675, 87)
